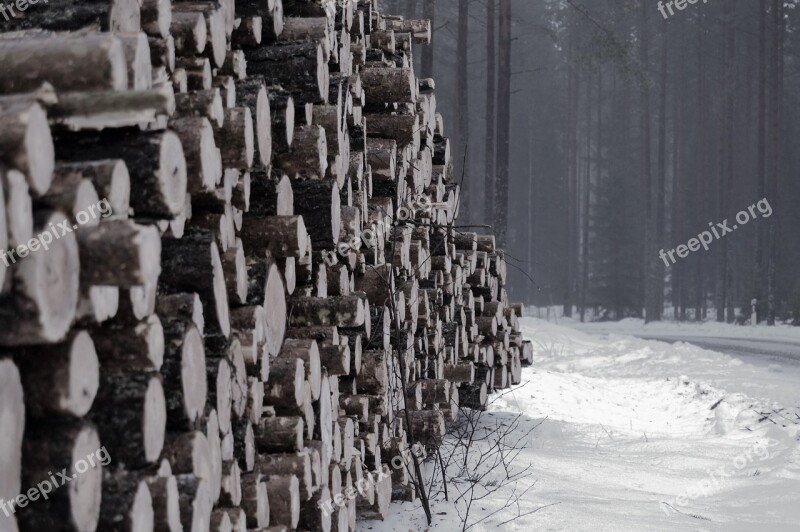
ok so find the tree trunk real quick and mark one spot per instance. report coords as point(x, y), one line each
point(647, 170)
point(655, 312)
point(462, 111)
point(491, 116)
point(429, 13)
point(503, 152)
point(774, 162)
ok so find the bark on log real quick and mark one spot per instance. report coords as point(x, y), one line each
point(419, 29)
point(60, 379)
point(296, 464)
point(461, 373)
point(252, 93)
point(76, 198)
point(270, 195)
point(374, 376)
point(69, 63)
point(198, 254)
point(336, 359)
point(219, 373)
point(338, 280)
point(185, 307)
point(137, 56)
point(110, 178)
point(127, 504)
point(279, 434)
point(300, 68)
point(156, 17)
point(119, 253)
point(285, 389)
point(98, 110)
point(314, 29)
point(215, 26)
point(403, 128)
point(166, 503)
point(194, 502)
point(378, 283)
point(312, 512)
point(324, 336)
point(207, 104)
point(189, 454)
point(255, 500)
point(318, 203)
point(269, 290)
point(67, 445)
point(341, 311)
point(203, 158)
point(190, 32)
point(198, 72)
point(244, 447)
point(236, 139)
point(283, 118)
point(389, 85)
point(231, 494)
point(473, 395)
point(144, 346)
point(131, 416)
point(248, 32)
point(227, 89)
point(240, 196)
point(72, 15)
point(184, 373)
point(383, 40)
point(235, 516)
point(284, 501)
point(155, 161)
point(281, 236)
point(308, 154)
point(234, 267)
point(214, 441)
point(255, 400)
point(137, 303)
point(308, 352)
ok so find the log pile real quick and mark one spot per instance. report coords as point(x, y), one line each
point(276, 304)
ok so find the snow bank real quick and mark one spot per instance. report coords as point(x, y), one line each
point(641, 435)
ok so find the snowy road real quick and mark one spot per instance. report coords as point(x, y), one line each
point(777, 350)
point(780, 344)
point(641, 435)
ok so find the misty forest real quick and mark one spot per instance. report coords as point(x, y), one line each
point(593, 134)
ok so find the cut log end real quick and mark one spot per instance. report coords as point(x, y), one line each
point(85, 489)
point(42, 305)
point(172, 172)
point(12, 426)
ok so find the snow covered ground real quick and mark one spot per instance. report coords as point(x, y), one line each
point(639, 435)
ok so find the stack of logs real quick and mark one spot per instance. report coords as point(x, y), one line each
point(254, 297)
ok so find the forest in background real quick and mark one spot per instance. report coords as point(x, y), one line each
point(627, 133)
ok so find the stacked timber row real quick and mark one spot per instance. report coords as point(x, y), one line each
point(244, 282)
